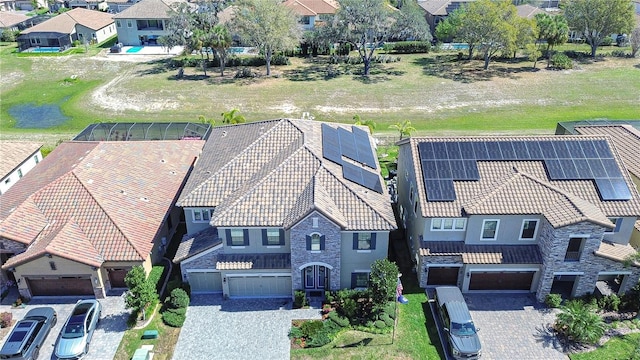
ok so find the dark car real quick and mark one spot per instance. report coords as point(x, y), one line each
point(26, 338)
point(458, 325)
point(76, 333)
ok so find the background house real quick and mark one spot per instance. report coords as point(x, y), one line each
point(438, 10)
point(61, 31)
point(276, 206)
point(12, 21)
point(310, 11)
point(89, 212)
point(535, 214)
point(144, 22)
point(18, 158)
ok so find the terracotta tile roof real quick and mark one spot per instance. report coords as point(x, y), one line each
point(529, 11)
point(272, 173)
point(110, 198)
point(14, 153)
point(616, 252)
point(66, 22)
point(483, 254)
point(525, 190)
point(148, 9)
point(197, 243)
point(253, 261)
point(312, 7)
point(626, 139)
point(10, 19)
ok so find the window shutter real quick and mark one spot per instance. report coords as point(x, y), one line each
point(281, 236)
point(354, 280)
point(322, 242)
point(355, 241)
point(265, 242)
point(245, 235)
point(373, 241)
point(227, 234)
point(308, 242)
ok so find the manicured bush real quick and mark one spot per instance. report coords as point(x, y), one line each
point(310, 328)
point(561, 61)
point(5, 319)
point(300, 299)
point(408, 47)
point(155, 276)
point(553, 300)
point(295, 332)
point(579, 322)
point(607, 41)
point(340, 320)
point(178, 299)
point(390, 309)
point(379, 324)
point(328, 297)
point(321, 338)
point(173, 319)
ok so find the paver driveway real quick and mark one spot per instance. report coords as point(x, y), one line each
point(106, 338)
point(237, 329)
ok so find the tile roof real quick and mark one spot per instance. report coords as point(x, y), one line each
point(312, 7)
point(197, 243)
point(14, 153)
point(148, 9)
point(66, 22)
point(96, 201)
point(253, 261)
point(483, 254)
point(523, 187)
point(10, 19)
point(440, 7)
point(616, 252)
point(272, 173)
point(529, 11)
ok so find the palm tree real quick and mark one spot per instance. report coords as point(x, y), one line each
point(404, 128)
point(368, 123)
point(579, 322)
point(221, 41)
point(232, 116)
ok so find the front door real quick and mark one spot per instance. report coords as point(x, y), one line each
point(316, 277)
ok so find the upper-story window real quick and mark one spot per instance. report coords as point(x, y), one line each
point(305, 20)
point(237, 237)
point(118, 23)
point(315, 242)
point(617, 222)
point(20, 173)
point(272, 237)
point(448, 224)
point(202, 215)
point(36, 158)
point(364, 241)
point(529, 229)
point(490, 229)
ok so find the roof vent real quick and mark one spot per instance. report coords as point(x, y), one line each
point(123, 192)
point(224, 133)
point(208, 172)
point(144, 198)
point(163, 160)
point(172, 172)
point(90, 181)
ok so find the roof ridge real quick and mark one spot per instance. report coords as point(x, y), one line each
point(492, 190)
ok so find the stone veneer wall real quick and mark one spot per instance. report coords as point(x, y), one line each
point(430, 260)
point(301, 256)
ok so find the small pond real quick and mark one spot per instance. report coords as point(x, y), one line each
point(37, 116)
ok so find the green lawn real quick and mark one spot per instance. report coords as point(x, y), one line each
point(618, 348)
point(162, 346)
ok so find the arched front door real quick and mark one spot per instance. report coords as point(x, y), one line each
point(316, 277)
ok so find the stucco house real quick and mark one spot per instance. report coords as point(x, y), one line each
point(12, 21)
point(283, 205)
point(310, 11)
point(89, 212)
point(144, 22)
point(62, 30)
point(18, 158)
point(541, 214)
point(438, 10)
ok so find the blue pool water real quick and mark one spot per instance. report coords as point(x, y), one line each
point(134, 49)
point(46, 50)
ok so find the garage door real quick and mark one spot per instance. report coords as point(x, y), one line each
point(501, 280)
point(442, 275)
point(260, 286)
point(205, 282)
point(68, 286)
point(116, 277)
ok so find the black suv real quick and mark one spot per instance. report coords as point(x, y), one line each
point(27, 336)
point(461, 332)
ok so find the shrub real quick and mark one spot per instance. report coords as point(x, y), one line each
point(379, 324)
point(328, 297)
point(387, 319)
point(408, 47)
point(178, 298)
point(579, 322)
point(156, 274)
point(300, 299)
point(619, 53)
point(5, 319)
point(321, 338)
point(295, 332)
point(340, 320)
point(245, 73)
point(8, 35)
point(561, 61)
point(577, 55)
point(390, 309)
point(553, 300)
point(179, 311)
point(607, 41)
point(173, 319)
point(349, 308)
point(631, 299)
point(611, 302)
point(310, 328)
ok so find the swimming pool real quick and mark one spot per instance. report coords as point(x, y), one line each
point(46, 50)
point(134, 49)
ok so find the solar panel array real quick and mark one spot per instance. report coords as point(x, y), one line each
point(354, 145)
point(445, 162)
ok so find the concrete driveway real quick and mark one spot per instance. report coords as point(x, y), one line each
point(237, 329)
point(512, 326)
point(106, 338)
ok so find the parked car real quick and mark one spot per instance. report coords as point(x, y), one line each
point(461, 333)
point(76, 333)
point(26, 338)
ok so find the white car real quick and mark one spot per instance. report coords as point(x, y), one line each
point(76, 333)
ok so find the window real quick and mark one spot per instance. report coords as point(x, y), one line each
point(364, 241)
point(36, 158)
point(52, 265)
point(617, 222)
point(359, 280)
point(415, 208)
point(7, 181)
point(202, 215)
point(118, 23)
point(305, 20)
point(129, 24)
point(20, 173)
point(574, 249)
point(272, 237)
point(411, 193)
point(448, 224)
point(315, 242)
point(490, 229)
point(528, 229)
point(237, 237)
point(314, 222)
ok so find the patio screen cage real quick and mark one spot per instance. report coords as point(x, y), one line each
point(144, 131)
point(568, 127)
point(44, 39)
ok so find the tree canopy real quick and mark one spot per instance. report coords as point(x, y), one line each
point(141, 291)
point(383, 282)
point(553, 30)
point(598, 19)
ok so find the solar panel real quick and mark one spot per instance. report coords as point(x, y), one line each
point(534, 150)
point(331, 144)
point(429, 169)
point(547, 150)
point(507, 150)
point(432, 188)
point(493, 148)
point(457, 170)
point(554, 169)
point(466, 149)
point(605, 189)
point(597, 169)
point(560, 148)
point(444, 169)
point(453, 150)
point(447, 190)
point(588, 149)
point(603, 149)
point(440, 151)
point(611, 168)
point(520, 148)
point(371, 181)
point(425, 149)
point(620, 188)
point(352, 172)
point(362, 177)
point(584, 171)
point(348, 144)
point(569, 169)
point(363, 147)
point(480, 150)
point(575, 149)
point(471, 170)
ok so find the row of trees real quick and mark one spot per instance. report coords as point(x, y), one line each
point(493, 26)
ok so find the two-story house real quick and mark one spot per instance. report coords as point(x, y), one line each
point(18, 158)
point(283, 205)
point(310, 11)
point(537, 214)
point(144, 22)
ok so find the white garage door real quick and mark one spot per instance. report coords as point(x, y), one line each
point(260, 286)
point(205, 282)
